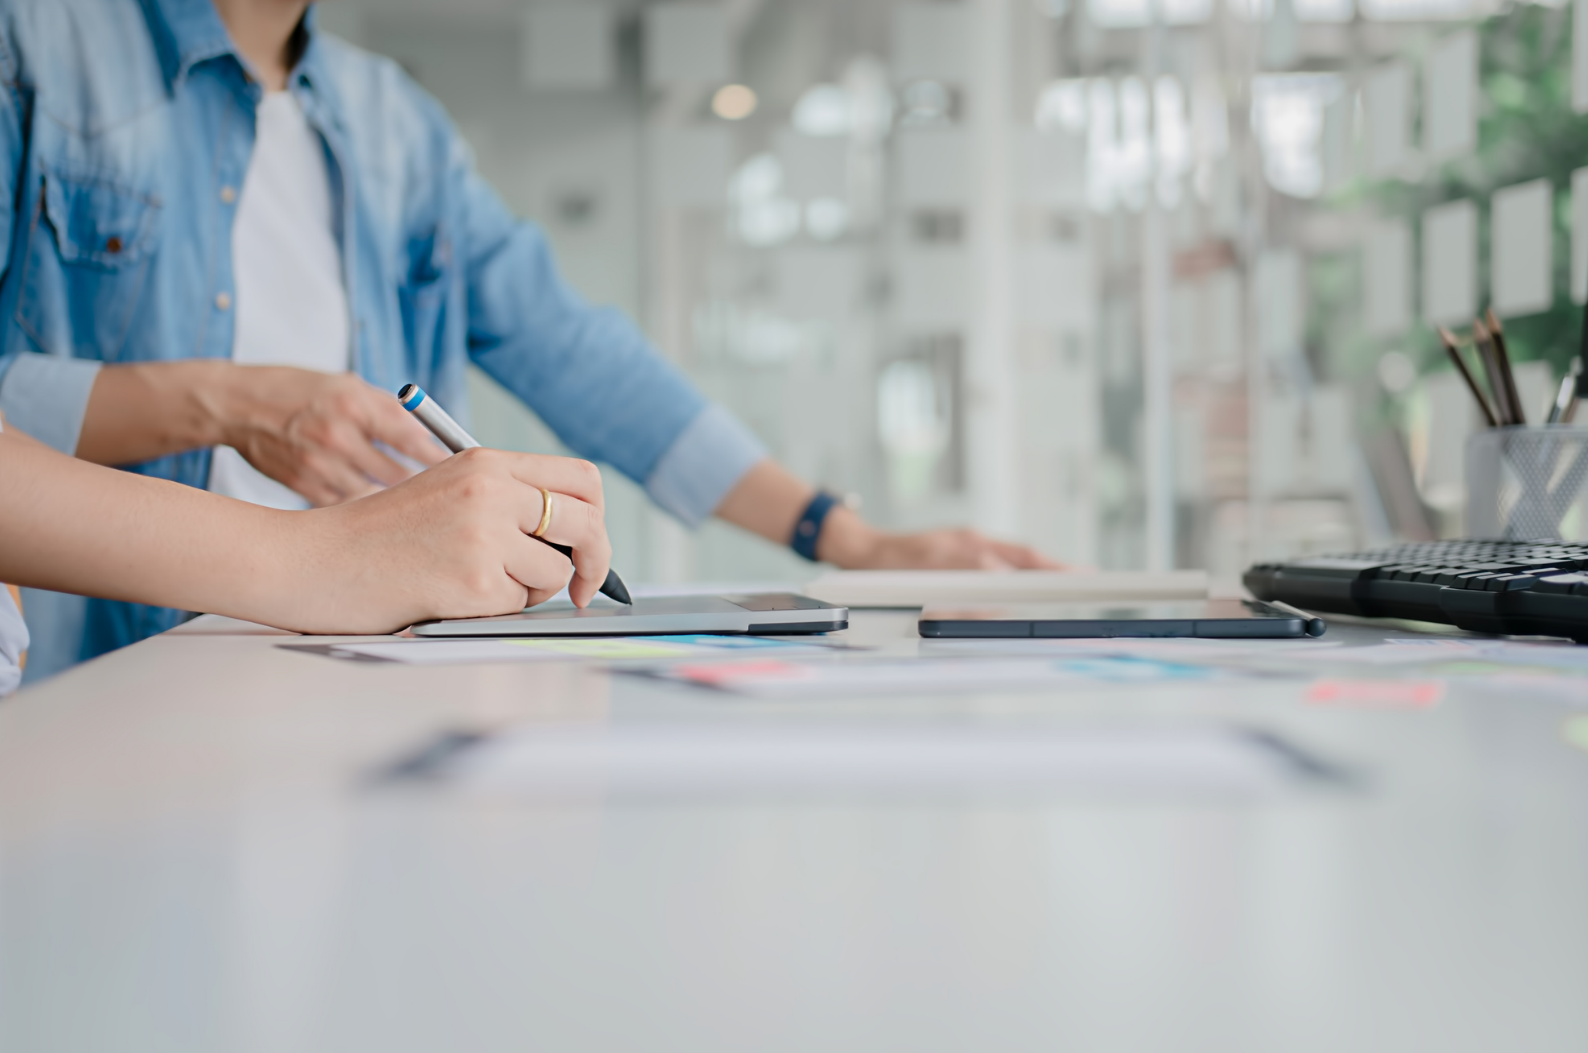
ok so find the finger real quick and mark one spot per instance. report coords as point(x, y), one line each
point(313, 491)
point(582, 527)
point(538, 596)
point(329, 474)
point(1023, 557)
point(396, 427)
point(295, 476)
point(326, 497)
point(356, 448)
point(541, 569)
point(563, 475)
point(989, 559)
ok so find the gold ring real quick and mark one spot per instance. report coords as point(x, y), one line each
point(545, 512)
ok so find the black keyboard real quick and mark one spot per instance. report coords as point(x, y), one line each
point(1514, 587)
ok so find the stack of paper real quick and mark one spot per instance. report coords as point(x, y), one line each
point(918, 588)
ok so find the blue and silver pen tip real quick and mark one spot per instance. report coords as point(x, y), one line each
point(410, 395)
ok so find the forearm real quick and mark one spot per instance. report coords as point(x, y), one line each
point(769, 501)
point(147, 410)
point(74, 527)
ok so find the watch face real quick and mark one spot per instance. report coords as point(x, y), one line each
point(809, 527)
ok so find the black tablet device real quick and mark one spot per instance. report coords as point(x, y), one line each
point(1208, 619)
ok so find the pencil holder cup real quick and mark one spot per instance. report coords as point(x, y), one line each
point(1528, 483)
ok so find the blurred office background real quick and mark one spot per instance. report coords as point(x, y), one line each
point(1146, 283)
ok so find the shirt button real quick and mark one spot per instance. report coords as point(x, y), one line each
point(223, 301)
point(228, 194)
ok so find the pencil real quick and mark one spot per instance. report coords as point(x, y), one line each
point(1448, 338)
point(1503, 356)
point(1491, 370)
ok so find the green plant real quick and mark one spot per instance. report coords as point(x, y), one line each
point(1526, 130)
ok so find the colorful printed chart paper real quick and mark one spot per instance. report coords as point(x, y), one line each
point(775, 676)
point(1377, 694)
point(1414, 673)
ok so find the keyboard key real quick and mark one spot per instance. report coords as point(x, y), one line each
point(1560, 584)
point(1333, 567)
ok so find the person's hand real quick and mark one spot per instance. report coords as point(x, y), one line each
point(452, 542)
point(960, 549)
point(849, 542)
point(768, 501)
point(317, 432)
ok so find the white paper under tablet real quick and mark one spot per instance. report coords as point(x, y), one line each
point(553, 649)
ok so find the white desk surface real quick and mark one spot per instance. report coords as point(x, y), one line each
point(189, 861)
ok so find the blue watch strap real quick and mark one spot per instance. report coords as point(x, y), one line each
point(809, 527)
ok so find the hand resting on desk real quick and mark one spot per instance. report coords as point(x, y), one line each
point(948, 549)
point(768, 501)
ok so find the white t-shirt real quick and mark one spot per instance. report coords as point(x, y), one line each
point(290, 302)
point(13, 639)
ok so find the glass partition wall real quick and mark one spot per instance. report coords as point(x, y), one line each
point(1146, 283)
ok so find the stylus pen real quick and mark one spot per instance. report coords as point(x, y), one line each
point(1312, 625)
point(453, 437)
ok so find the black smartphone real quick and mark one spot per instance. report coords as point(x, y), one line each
point(1206, 619)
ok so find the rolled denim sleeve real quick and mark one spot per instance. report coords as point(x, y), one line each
point(43, 395)
point(708, 459)
point(46, 396)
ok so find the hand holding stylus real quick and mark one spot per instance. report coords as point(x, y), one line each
point(452, 435)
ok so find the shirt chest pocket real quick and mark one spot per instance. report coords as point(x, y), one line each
point(100, 224)
point(87, 265)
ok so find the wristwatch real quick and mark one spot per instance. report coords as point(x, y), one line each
point(809, 528)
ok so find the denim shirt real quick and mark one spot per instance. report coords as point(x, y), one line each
point(125, 135)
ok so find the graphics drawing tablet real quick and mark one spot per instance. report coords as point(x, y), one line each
point(766, 614)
